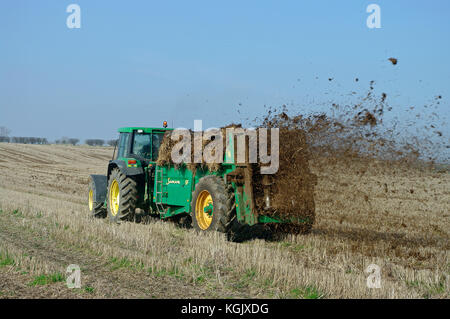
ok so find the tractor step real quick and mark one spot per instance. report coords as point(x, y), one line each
point(159, 176)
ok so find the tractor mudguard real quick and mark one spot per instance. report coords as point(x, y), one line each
point(99, 188)
point(128, 171)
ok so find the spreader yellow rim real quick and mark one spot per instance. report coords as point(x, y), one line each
point(203, 210)
point(91, 200)
point(114, 197)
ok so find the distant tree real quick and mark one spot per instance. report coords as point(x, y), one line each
point(112, 142)
point(4, 139)
point(4, 131)
point(67, 140)
point(73, 141)
point(95, 142)
point(64, 140)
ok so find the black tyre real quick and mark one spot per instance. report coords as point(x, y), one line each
point(122, 196)
point(96, 209)
point(213, 207)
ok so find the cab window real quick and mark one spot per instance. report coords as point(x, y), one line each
point(142, 145)
point(122, 149)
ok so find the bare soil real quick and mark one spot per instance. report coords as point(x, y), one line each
point(367, 212)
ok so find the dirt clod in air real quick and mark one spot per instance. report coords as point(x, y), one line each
point(393, 61)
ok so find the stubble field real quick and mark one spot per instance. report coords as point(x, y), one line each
point(367, 212)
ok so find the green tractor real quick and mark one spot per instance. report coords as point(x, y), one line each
point(136, 186)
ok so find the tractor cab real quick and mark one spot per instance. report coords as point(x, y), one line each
point(139, 144)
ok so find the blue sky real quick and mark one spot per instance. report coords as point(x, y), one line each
point(142, 62)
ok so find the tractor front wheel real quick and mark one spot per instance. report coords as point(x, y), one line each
point(122, 196)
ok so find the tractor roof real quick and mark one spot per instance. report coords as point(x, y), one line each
point(145, 129)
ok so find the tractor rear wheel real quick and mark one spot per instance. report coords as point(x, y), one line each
point(212, 206)
point(96, 209)
point(122, 196)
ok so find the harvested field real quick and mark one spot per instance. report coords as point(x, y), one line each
point(367, 212)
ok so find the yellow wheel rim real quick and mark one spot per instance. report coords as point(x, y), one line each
point(91, 200)
point(204, 210)
point(114, 197)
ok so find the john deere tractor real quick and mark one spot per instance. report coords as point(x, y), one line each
point(134, 186)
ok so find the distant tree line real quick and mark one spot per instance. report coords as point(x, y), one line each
point(100, 142)
point(95, 142)
point(5, 138)
point(61, 141)
point(23, 140)
point(67, 141)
